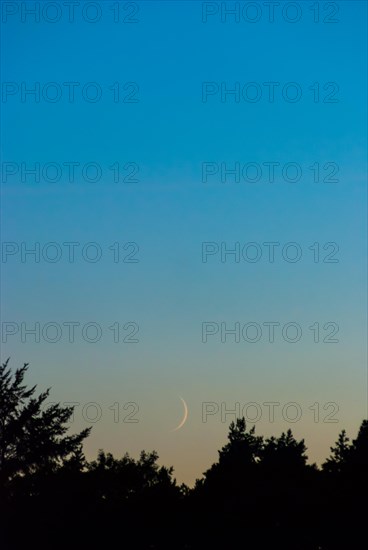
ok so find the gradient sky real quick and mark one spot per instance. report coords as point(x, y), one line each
point(169, 212)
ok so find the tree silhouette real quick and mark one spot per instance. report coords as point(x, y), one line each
point(284, 451)
point(243, 448)
point(32, 439)
point(241, 452)
point(226, 492)
point(37, 458)
point(339, 454)
point(344, 487)
point(359, 450)
point(261, 492)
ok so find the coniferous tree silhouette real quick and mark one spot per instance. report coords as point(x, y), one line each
point(261, 491)
point(339, 455)
point(345, 489)
point(226, 492)
point(34, 448)
point(288, 486)
point(32, 439)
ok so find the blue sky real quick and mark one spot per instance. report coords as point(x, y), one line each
point(169, 212)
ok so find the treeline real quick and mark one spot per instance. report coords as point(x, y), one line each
point(260, 494)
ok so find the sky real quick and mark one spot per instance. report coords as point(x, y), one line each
point(165, 145)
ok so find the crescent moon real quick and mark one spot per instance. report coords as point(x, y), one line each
point(184, 417)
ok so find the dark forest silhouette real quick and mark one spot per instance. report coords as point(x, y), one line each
point(260, 494)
